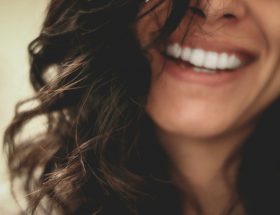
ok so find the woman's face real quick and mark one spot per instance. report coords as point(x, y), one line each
point(222, 75)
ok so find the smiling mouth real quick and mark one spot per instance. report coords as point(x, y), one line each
point(207, 61)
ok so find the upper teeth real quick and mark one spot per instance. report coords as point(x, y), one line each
point(206, 59)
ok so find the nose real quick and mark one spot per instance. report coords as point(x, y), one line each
point(217, 11)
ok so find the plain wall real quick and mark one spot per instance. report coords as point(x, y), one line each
point(20, 21)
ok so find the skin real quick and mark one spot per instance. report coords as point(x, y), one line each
point(202, 127)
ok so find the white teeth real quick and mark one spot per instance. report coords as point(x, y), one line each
point(222, 61)
point(207, 60)
point(211, 60)
point(197, 69)
point(233, 62)
point(174, 50)
point(197, 57)
point(186, 54)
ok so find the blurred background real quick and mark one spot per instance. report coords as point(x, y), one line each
point(20, 22)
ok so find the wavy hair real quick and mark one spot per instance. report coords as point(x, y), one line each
point(97, 154)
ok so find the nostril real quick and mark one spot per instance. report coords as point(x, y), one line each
point(197, 11)
point(229, 16)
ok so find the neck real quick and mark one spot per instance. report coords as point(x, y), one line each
point(205, 170)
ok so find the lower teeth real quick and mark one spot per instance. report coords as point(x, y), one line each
point(197, 69)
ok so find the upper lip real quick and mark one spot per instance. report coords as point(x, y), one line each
point(217, 45)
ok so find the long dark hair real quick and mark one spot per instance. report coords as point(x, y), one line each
point(98, 153)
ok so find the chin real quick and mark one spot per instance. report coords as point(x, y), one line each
point(191, 125)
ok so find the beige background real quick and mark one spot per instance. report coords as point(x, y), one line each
point(20, 21)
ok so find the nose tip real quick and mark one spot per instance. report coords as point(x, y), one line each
point(216, 10)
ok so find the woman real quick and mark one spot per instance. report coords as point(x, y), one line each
point(155, 107)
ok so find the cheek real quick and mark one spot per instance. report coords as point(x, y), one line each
point(266, 15)
point(148, 26)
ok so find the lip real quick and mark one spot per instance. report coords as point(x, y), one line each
point(185, 72)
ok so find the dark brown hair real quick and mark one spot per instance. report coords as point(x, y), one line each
point(98, 153)
point(91, 77)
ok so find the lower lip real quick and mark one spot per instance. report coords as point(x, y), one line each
point(187, 74)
